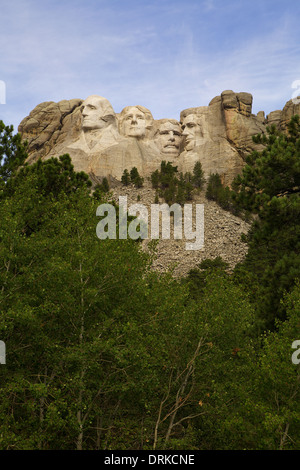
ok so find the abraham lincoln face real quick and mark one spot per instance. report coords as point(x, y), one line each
point(191, 131)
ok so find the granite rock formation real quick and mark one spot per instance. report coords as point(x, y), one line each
point(103, 143)
point(280, 118)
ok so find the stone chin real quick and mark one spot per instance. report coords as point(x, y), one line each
point(135, 132)
point(171, 150)
point(89, 126)
point(92, 126)
point(189, 146)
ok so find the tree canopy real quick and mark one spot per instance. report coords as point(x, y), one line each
point(103, 352)
point(270, 187)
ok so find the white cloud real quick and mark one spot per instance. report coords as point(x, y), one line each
point(167, 56)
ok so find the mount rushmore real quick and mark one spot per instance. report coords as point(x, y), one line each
point(104, 143)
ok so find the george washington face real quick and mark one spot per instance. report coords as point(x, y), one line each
point(97, 113)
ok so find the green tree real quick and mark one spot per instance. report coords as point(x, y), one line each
point(155, 179)
point(198, 175)
point(216, 191)
point(103, 352)
point(101, 189)
point(274, 172)
point(278, 388)
point(268, 419)
point(173, 188)
point(269, 187)
point(196, 278)
point(104, 185)
point(12, 153)
point(125, 178)
point(210, 381)
point(135, 178)
point(66, 290)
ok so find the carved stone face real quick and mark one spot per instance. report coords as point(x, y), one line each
point(134, 122)
point(191, 130)
point(168, 138)
point(97, 113)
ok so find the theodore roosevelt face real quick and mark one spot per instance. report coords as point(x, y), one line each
point(168, 138)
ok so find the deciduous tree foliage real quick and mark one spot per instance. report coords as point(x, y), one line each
point(105, 353)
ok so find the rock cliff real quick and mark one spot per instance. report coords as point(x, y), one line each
point(102, 142)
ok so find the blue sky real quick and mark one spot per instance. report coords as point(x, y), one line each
point(167, 55)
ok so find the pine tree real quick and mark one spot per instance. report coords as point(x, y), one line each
point(155, 179)
point(103, 187)
point(198, 175)
point(125, 178)
point(270, 187)
point(135, 178)
point(13, 153)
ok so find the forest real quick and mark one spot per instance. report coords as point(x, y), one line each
point(103, 352)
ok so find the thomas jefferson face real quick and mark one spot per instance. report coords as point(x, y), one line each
point(168, 138)
point(191, 131)
point(97, 113)
point(134, 122)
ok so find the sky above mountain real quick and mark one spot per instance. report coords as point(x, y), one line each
point(167, 55)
